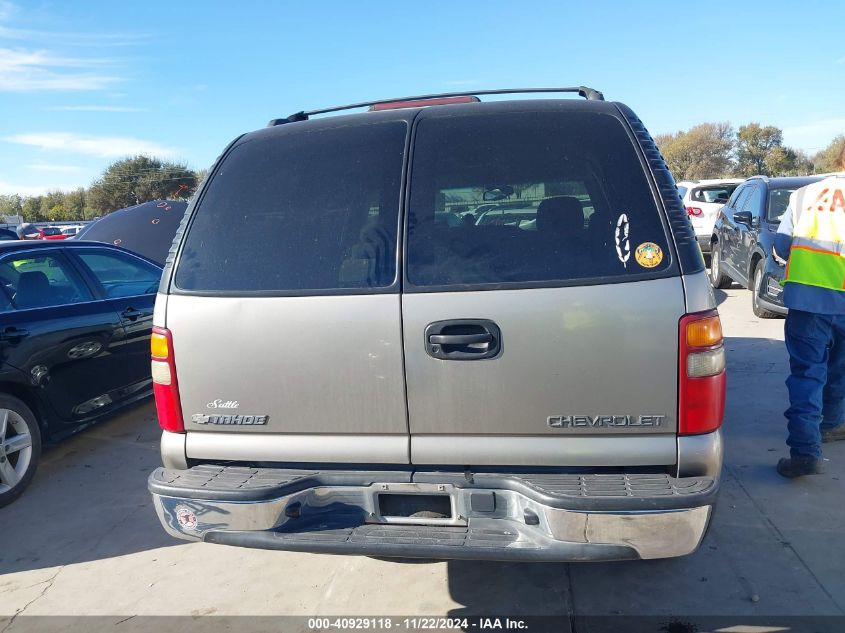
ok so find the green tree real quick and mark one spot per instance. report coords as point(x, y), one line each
point(754, 144)
point(703, 151)
point(802, 166)
point(825, 160)
point(10, 205)
point(780, 161)
point(31, 210)
point(140, 179)
point(201, 175)
point(74, 204)
point(52, 206)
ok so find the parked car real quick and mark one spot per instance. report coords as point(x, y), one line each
point(507, 217)
point(50, 233)
point(147, 228)
point(75, 321)
point(741, 243)
point(327, 381)
point(7, 234)
point(70, 231)
point(702, 200)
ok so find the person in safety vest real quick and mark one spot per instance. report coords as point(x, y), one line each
point(811, 237)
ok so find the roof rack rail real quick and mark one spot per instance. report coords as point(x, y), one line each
point(588, 93)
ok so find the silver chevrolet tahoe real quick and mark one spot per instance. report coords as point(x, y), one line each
point(441, 328)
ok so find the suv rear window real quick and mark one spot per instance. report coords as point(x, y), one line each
point(300, 210)
point(550, 197)
point(713, 193)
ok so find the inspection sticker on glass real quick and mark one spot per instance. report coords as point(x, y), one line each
point(648, 255)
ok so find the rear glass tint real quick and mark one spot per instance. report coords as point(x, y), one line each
point(713, 193)
point(298, 211)
point(541, 197)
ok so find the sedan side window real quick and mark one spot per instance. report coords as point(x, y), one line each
point(740, 197)
point(39, 281)
point(122, 275)
point(755, 201)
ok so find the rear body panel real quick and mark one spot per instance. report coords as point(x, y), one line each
point(577, 351)
point(315, 366)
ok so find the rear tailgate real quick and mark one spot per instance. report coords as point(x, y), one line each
point(549, 341)
point(284, 304)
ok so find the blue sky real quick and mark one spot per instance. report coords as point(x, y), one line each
point(84, 83)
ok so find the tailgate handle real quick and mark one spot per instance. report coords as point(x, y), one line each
point(463, 339)
point(460, 339)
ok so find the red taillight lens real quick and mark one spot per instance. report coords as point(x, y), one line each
point(165, 385)
point(694, 211)
point(701, 374)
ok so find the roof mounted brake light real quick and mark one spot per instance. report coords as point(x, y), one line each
point(417, 103)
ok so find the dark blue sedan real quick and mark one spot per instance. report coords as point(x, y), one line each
point(741, 244)
point(75, 324)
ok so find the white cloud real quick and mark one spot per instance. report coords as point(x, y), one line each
point(92, 108)
point(38, 70)
point(102, 146)
point(814, 135)
point(9, 10)
point(53, 167)
point(30, 190)
point(99, 40)
point(6, 9)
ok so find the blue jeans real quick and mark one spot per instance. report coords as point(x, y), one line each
point(816, 345)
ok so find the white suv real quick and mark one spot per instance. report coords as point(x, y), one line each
point(702, 200)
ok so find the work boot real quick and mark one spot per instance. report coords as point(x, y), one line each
point(835, 434)
point(792, 467)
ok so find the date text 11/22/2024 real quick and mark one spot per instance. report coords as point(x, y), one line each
point(419, 623)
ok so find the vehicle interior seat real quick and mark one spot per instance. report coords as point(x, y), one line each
point(561, 218)
point(560, 229)
point(367, 262)
point(33, 290)
point(600, 230)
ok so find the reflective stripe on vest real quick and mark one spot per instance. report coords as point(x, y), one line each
point(818, 244)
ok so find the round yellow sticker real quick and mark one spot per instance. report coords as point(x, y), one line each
point(648, 255)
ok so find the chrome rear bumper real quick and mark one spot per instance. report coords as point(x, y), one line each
point(538, 517)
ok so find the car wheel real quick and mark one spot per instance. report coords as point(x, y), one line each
point(20, 448)
point(716, 277)
point(756, 287)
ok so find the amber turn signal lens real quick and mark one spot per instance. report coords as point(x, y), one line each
point(704, 332)
point(158, 345)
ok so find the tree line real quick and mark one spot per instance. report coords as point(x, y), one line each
point(716, 150)
point(124, 183)
point(707, 150)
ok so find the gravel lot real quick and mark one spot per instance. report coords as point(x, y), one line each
point(84, 540)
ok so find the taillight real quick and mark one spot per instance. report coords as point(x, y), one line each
point(701, 372)
point(165, 386)
point(694, 211)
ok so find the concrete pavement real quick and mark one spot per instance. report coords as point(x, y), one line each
point(84, 538)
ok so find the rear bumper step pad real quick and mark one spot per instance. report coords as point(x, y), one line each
point(571, 491)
